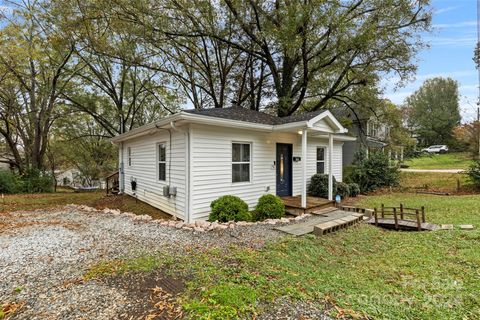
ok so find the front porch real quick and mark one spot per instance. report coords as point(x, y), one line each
point(293, 205)
point(325, 127)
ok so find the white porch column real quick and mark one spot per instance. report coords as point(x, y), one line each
point(330, 173)
point(304, 168)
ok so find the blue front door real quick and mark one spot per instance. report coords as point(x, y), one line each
point(284, 169)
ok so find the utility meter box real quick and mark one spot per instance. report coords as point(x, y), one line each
point(166, 191)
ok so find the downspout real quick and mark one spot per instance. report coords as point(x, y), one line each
point(121, 176)
point(188, 183)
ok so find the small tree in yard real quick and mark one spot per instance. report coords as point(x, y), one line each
point(374, 172)
point(474, 173)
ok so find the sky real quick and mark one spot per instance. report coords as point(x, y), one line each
point(452, 43)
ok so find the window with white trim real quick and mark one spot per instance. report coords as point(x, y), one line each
point(129, 153)
point(162, 161)
point(241, 159)
point(372, 128)
point(321, 159)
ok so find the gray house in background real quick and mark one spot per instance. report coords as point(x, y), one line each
point(371, 133)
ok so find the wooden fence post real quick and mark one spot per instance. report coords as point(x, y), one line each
point(419, 223)
point(401, 211)
point(423, 214)
point(383, 211)
point(395, 218)
point(375, 215)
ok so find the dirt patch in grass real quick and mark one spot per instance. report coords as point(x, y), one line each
point(153, 295)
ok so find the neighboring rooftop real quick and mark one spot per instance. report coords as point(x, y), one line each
point(243, 114)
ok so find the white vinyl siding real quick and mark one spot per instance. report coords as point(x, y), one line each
point(145, 170)
point(210, 169)
point(211, 174)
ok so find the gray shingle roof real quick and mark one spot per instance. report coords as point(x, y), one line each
point(247, 115)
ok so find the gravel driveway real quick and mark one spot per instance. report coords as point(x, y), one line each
point(45, 253)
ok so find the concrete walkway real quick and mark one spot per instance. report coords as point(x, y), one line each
point(434, 170)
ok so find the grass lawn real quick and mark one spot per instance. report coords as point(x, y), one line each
point(435, 181)
point(63, 197)
point(457, 160)
point(363, 271)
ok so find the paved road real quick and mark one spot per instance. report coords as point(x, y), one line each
point(434, 170)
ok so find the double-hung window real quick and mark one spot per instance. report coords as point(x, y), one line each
point(162, 161)
point(241, 159)
point(129, 156)
point(320, 159)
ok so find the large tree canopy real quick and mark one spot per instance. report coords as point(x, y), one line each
point(124, 63)
point(433, 110)
point(34, 73)
point(283, 53)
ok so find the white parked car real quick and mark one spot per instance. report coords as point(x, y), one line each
point(436, 149)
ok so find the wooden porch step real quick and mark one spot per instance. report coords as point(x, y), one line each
point(311, 209)
point(324, 211)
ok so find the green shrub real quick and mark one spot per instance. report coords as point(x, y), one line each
point(8, 182)
point(347, 172)
point(33, 181)
point(473, 173)
point(269, 207)
point(319, 185)
point(245, 216)
point(354, 189)
point(374, 172)
point(228, 208)
point(343, 190)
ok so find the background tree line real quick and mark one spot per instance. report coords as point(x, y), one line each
point(76, 73)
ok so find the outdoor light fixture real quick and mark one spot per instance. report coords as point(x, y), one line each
point(281, 167)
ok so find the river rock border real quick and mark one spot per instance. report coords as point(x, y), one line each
point(197, 226)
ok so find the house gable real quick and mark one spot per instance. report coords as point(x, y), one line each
point(326, 122)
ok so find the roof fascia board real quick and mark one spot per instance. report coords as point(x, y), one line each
point(291, 125)
point(201, 119)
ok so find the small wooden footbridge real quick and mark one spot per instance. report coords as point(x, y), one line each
point(329, 218)
point(401, 218)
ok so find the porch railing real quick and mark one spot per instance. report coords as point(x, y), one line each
point(113, 183)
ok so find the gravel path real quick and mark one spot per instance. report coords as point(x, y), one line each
point(45, 253)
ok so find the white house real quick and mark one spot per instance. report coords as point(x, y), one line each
point(183, 162)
